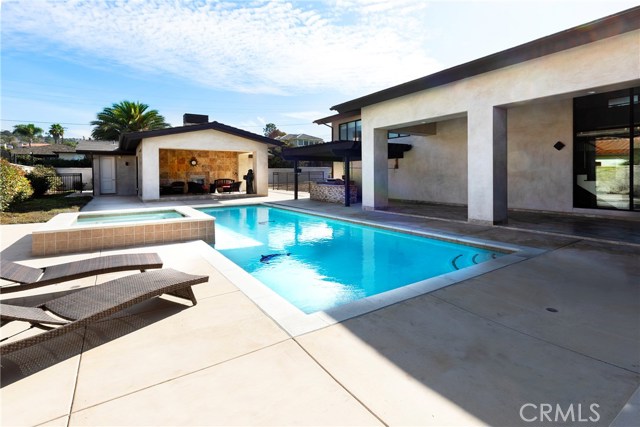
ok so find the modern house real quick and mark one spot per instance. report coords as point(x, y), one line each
point(142, 163)
point(299, 140)
point(550, 125)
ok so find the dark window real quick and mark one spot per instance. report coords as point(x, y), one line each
point(351, 131)
point(606, 154)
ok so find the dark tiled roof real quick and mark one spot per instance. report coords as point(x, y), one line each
point(44, 150)
point(613, 25)
point(98, 147)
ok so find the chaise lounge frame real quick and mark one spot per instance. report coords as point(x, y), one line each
point(88, 305)
point(30, 277)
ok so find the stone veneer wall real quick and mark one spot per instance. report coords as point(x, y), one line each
point(58, 242)
point(332, 193)
point(175, 166)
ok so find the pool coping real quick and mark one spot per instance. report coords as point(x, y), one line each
point(296, 323)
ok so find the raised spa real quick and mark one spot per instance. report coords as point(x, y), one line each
point(78, 232)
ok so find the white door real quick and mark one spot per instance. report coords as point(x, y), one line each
point(107, 175)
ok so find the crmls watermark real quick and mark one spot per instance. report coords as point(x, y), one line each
point(541, 412)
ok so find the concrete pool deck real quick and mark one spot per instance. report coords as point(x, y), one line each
point(476, 353)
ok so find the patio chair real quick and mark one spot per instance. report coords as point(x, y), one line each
point(222, 185)
point(177, 187)
point(88, 305)
point(235, 187)
point(196, 188)
point(25, 277)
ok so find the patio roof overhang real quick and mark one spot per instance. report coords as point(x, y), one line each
point(338, 151)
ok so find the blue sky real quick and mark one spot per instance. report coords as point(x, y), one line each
point(247, 63)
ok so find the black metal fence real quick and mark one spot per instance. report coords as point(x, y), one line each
point(70, 182)
point(285, 180)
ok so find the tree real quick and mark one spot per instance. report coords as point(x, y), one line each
point(275, 154)
point(16, 187)
point(56, 131)
point(271, 131)
point(30, 132)
point(124, 117)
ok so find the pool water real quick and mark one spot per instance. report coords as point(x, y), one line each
point(317, 263)
point(127, 217)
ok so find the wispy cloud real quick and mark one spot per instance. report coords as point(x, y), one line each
point(275, 47)
point(304, 115)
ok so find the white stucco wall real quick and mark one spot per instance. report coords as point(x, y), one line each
point(210, 140)
point(539, 176)
point(126, 175)
point(435, 169)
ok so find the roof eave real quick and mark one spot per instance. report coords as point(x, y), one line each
point(336, 117)
point(129, 141)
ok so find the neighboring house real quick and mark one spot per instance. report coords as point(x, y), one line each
point(141, 163)
point(533, 127)
point(61, 151)
point(299, 140)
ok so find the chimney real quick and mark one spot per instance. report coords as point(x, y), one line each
point(194, 119)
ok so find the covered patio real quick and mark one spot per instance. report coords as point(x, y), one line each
point(338, 151)
point(188, 159)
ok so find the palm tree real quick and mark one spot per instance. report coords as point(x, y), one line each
point(56, 131)
point(125, 117)
point(30, 131)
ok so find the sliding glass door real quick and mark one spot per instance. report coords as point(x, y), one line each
point(607, 151)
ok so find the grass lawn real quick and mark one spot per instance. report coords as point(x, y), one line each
point(42, 209)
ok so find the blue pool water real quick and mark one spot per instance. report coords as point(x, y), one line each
point(127, 217)
point(321, 263)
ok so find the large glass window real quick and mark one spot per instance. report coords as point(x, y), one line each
point(607, 150)
point(351, 131)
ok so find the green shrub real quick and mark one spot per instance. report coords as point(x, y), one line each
point(43, 179)
point(14, 186)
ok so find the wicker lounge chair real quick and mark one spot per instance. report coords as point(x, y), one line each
point(30, 277)
point(91, 304)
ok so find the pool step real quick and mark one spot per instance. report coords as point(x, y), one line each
point(476, 259)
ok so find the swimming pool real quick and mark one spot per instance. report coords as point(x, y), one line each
point(317, 263)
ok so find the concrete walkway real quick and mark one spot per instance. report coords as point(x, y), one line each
point(486, 351)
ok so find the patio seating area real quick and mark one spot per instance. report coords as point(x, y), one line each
point(470, 354)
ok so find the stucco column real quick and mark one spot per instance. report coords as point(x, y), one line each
point(487, 165)
point(150, 171)
point(375, 176)
point(261, 172)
